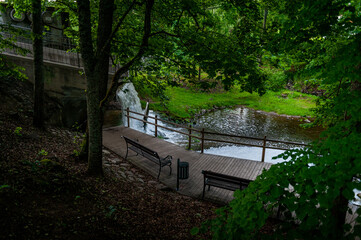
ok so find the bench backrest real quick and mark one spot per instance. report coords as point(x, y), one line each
point(141, 147)
point(226, 178)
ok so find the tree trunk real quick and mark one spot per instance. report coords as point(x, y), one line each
point(96, 67)
point(264, 27)
point(37, 28)
point(93, 97)
point(95, 126)
point(339, 211)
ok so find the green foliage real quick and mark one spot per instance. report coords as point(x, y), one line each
point(275, 79)
point(313, 188)
point(8, 39)
point(213, 36)
point(43, 153)
point(17, 131)
point(79, 141)
point(151, 87)
point(4, 187)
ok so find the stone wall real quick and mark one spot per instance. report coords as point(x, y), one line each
point(64, 82)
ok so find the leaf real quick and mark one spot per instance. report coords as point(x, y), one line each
point(194, 231)
point(4, 186)
point(309, 190)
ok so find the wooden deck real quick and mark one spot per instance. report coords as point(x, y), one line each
point(193, 186)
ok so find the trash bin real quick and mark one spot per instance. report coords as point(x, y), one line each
point(183, 170)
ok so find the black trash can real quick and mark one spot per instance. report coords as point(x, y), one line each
point(183, 170)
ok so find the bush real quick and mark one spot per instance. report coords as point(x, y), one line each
point(275, 79)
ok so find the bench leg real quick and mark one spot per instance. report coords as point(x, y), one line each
point(204, 188)
point(126, 155)
point(209, 187)
point(170, 170)
point(160, 168)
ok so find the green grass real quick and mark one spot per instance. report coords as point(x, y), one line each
point(184, 104)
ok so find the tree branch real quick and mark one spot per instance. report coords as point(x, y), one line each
point(163, 32)
point(116, 28)
point(85, 34)
point(121, 71)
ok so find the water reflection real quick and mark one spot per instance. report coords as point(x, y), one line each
point(252, 123)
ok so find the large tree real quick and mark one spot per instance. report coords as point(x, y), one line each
point(36, 8)
point(96, 54)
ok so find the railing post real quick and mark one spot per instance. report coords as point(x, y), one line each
point(156, 126)
point(128, 121)
point(202, 141)
point(264, 148)
point(189, 137)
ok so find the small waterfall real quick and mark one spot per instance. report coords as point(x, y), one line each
point(128, 97)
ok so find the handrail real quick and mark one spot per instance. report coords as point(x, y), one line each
point(174, 124)
point(57, 49)
point(203, 132)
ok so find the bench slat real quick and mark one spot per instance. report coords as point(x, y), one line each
point(148, 153)
point(223, 181)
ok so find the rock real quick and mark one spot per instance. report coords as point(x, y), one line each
point(106, 151)
point(152, 182)
point(160, 186)
point(114, 160)
point(140, 180)
point(129, 173)
point(123, 175)
point(125, 164)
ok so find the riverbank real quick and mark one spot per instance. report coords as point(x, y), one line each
point(185, 104)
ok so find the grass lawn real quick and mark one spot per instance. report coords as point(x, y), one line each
point(184, 103)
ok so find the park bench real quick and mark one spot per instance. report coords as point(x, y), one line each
point(149, 154)
point(223, 181)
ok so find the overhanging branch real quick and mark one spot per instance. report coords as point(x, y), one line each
point(147, 32)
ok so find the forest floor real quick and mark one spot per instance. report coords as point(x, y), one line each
point(45, 192)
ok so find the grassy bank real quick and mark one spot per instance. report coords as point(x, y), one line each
point(184, 103)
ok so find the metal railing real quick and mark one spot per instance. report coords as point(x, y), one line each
point(57, 49)
point(263, 143)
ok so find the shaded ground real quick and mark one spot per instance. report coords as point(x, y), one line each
point(49, 196)
point(46, 194)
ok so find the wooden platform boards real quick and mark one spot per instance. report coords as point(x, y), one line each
point(192, 186)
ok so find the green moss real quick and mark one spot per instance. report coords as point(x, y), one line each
point(184, 103)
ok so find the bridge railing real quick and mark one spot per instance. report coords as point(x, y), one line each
point(57, 49)
point(203, 135)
